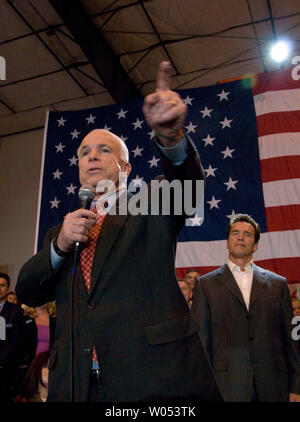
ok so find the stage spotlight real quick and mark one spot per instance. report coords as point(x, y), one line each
point(280, 51)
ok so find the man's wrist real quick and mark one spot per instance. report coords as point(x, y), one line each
point(169, 141)
point(58, 251)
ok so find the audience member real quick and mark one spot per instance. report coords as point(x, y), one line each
point(245, 318)
point(296, 306)
point(12, 297)
point(191, 277)
point(186, 291)
point(38, 331)
point(35, 387)
point(10, 346)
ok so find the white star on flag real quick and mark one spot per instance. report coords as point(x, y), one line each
point(232, 215)
point(122, 114)
point(231, 184)
point(213, 202)
point(208, 140)
point(210, 171)
point(154, 161)
point(223, 95)
point(57, 174)
point(227, 152)
point(73, 161)
point(71, 189)
point(59, 147)
point(54, 203)
point(138, 123)
point(151, 134)
point(226, 123)
point(188, 100)
point(137, 181)
point(123, 138)
point(61, 122)
point(196, 221)
point(137, 151)
point(106, 127)
point(206, 112)
point(75, 134)
point(90, 119)
point(190, 127)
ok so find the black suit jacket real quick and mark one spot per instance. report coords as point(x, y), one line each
point(10, 354)
point(30, 338)
point(248, 345)
point(135, 314)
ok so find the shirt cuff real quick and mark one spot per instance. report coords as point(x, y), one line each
point(177, 153)
point(55, 259)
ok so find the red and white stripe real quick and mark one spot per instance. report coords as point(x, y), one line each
point(277, 105)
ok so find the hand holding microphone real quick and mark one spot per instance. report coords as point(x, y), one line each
point(77, 224)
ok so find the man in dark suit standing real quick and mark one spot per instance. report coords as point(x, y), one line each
point(11, 341)
point(130, 322)
point(245, 315)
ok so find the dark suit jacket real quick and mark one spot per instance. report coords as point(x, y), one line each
point(10, 348)
point(146, 340)
point(243, 345)
point(30, 338)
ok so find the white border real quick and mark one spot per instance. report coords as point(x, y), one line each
point(41, 184)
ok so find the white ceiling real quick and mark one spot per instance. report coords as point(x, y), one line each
point(206, 42)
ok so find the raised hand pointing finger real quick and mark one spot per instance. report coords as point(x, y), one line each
point(163, 82)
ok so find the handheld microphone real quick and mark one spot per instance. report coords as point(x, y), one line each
point(86, 195)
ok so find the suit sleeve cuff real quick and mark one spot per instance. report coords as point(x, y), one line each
point(56, 260)
point(177, 153)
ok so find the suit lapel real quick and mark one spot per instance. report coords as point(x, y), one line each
point(258, 283)
point(108, 233)
point(228, 281)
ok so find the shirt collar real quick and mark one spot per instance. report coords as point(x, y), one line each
point(106, 201)
point(235, 268)
point(2, 304)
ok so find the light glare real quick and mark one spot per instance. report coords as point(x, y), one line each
point(280, 51)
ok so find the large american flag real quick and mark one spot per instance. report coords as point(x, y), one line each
point(247, 135)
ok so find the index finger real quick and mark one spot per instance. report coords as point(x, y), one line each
point(163, 82)
point(81, 212)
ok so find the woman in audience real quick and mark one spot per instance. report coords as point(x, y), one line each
point(38, 330)
point(35, 387)
point(40, 327)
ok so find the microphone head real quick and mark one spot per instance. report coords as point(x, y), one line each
point(87, 192)
point(86, 195)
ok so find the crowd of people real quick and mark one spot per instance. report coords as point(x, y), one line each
point(24, 346)
point(25, 367)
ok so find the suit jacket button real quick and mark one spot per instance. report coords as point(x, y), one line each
point(91, 306)
point(251, 338)
point(87, 351)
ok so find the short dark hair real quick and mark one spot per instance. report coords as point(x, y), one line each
point(192, 270)
point(246, 219)
point(6, 277)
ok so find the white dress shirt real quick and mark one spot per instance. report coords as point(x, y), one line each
point(243, 279)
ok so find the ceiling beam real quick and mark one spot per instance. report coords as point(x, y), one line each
point(97, 50)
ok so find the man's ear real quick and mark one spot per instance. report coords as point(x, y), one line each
point(126, 167)
point(255, 247)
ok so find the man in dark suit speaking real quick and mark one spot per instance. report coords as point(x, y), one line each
point(245, 317)
point(133, 336)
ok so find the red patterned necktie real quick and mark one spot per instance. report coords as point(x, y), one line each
point(87, 257)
